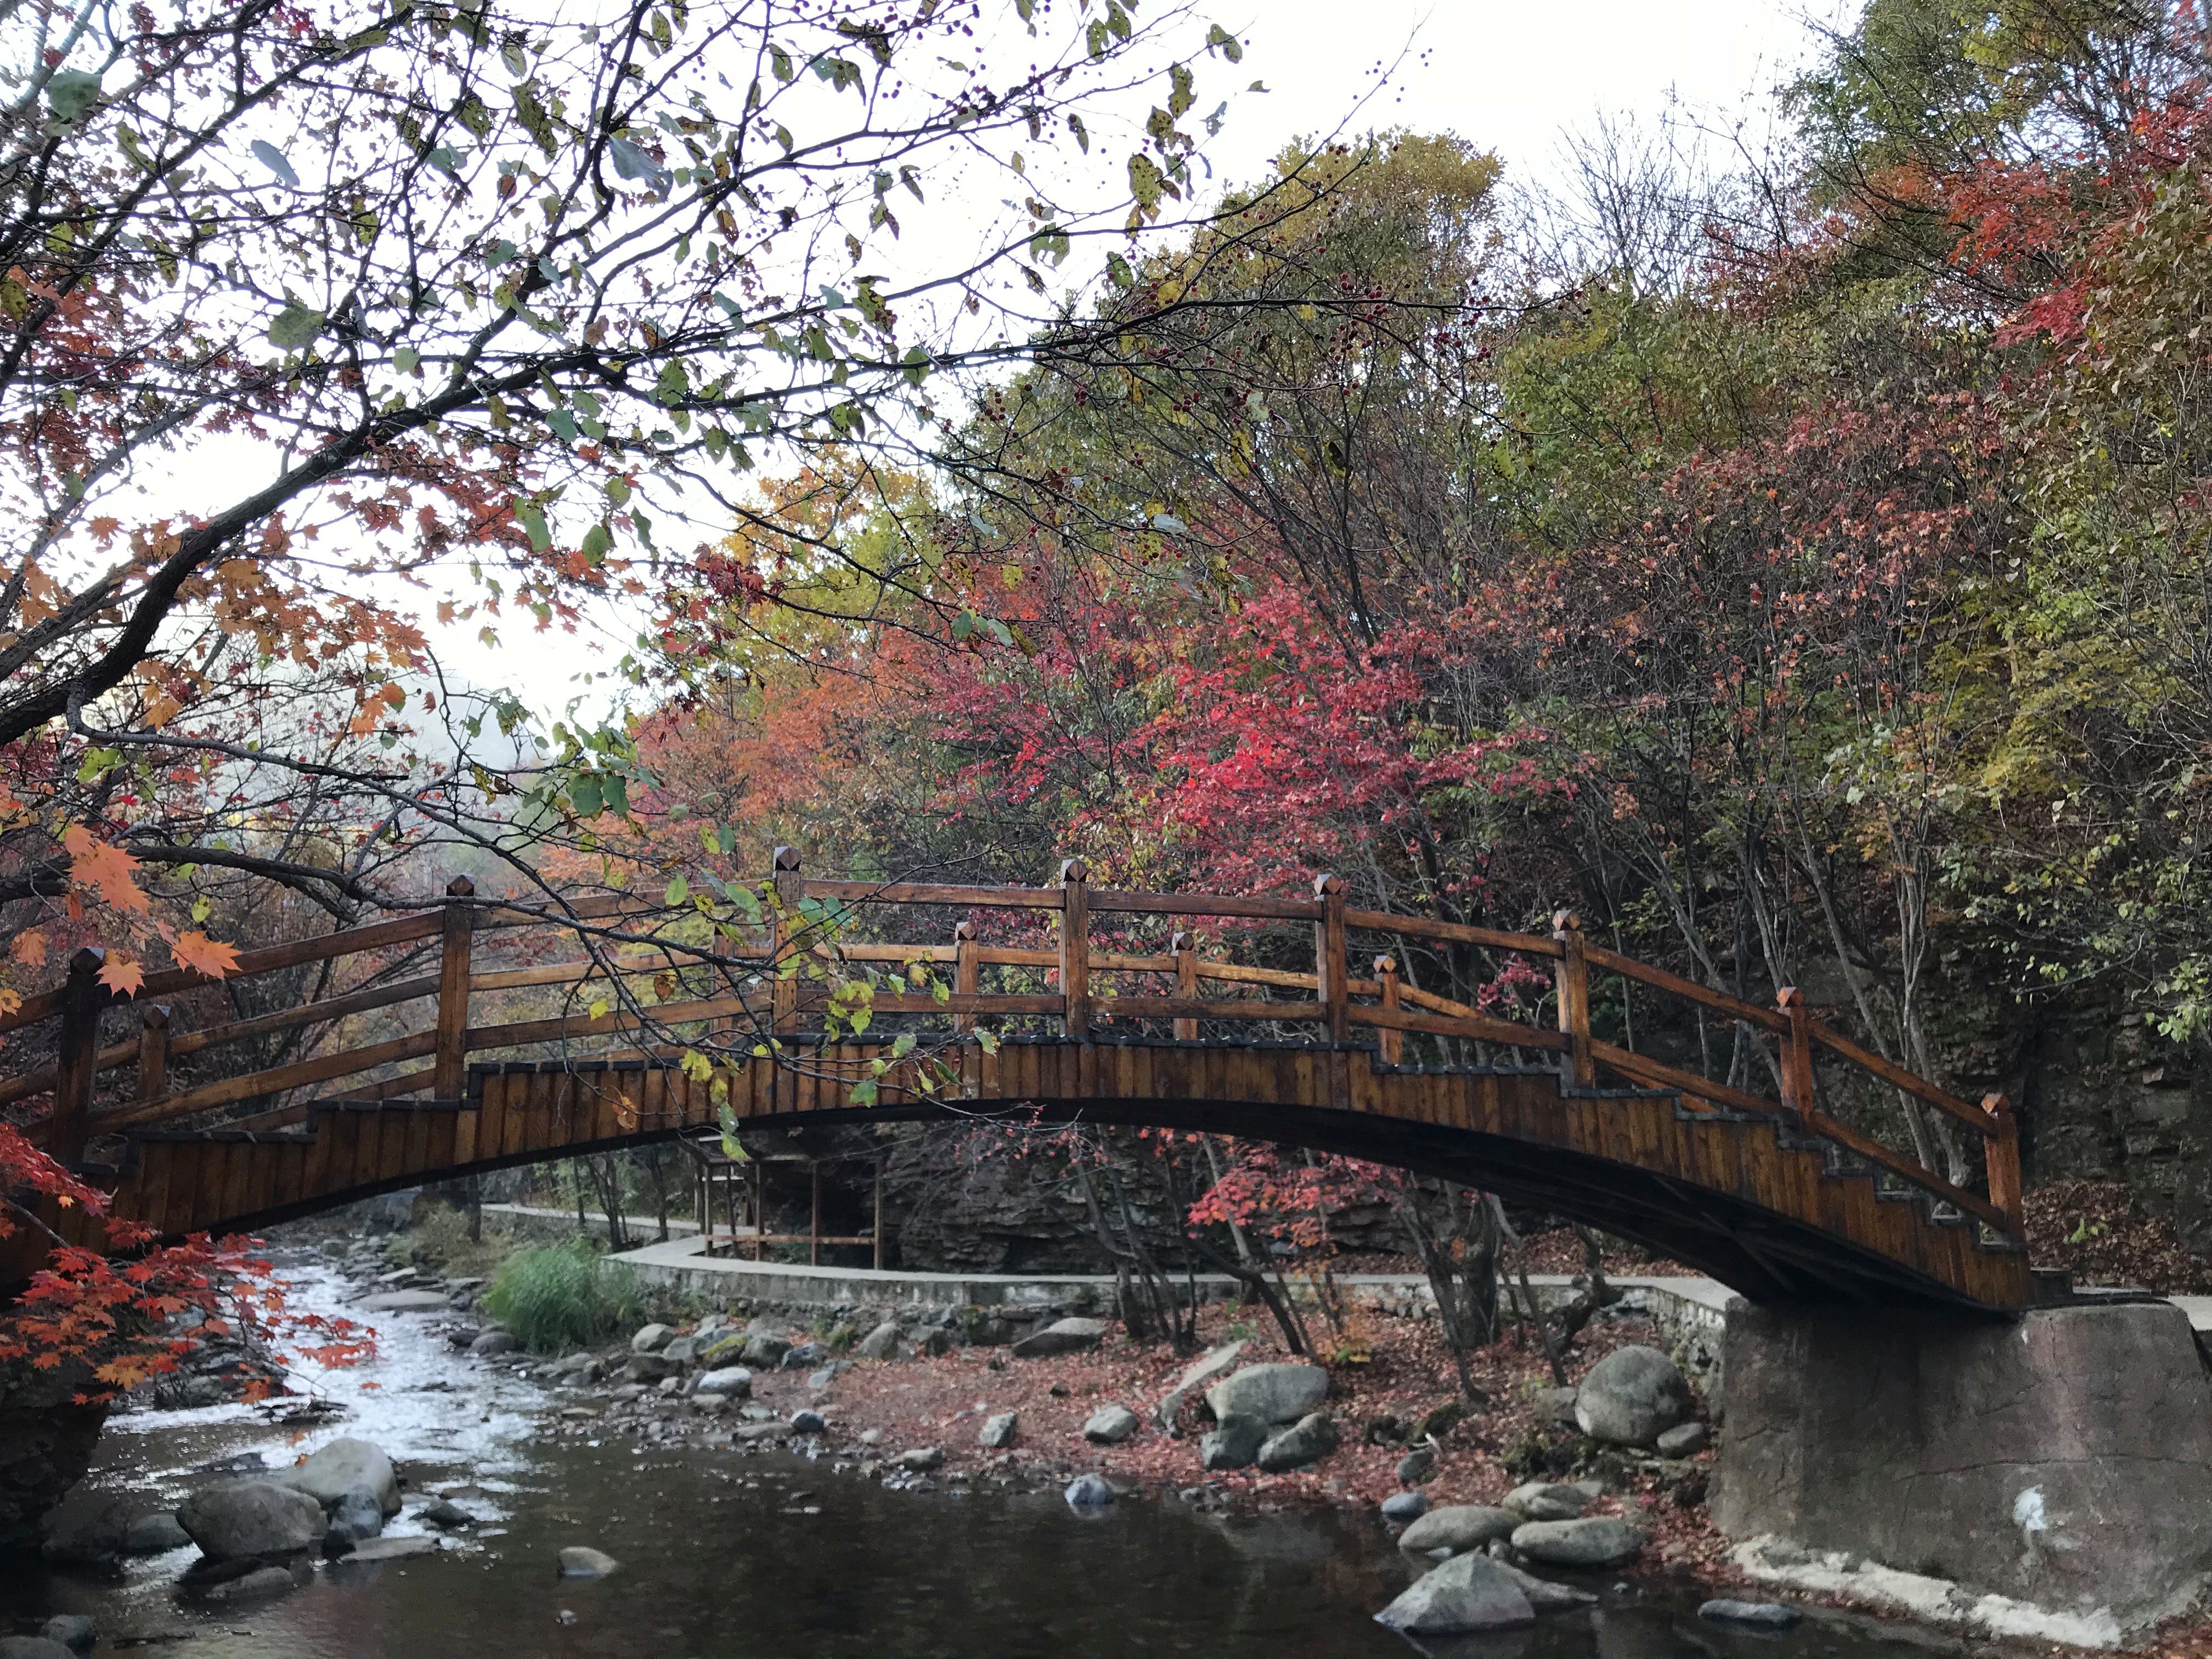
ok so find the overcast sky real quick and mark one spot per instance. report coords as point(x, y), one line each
point(1507, 74)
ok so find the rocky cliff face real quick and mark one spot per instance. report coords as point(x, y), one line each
point(45, 1444)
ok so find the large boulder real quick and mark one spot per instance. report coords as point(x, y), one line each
point(1538, 1500)
point(1603, 1540)
point(1202, 1372)
point(332, 1472)
point(156, 1533)
point(651, 1368)
point(358, 1514)
point(252, 1518)
point(1466, 1593)
point(1233, 1444)
point(731, 1382)
point(1309, 1440)
point(1061, 1336)
point(1632, 1397)
point(881, 1343)
point(1458, 1528)
point(1271, 1393)
point(762, 1351)
point(650, 1338)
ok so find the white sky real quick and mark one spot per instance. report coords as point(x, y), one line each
point(1506, 75)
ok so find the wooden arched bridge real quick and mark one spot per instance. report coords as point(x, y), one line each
point(789, 1013)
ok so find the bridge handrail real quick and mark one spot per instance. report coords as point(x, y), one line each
point(1393, 1008)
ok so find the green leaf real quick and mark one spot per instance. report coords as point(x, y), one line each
point(71, 94)
point(294, 328)
point(533, 522)
point(584, 796)
point(987, 1041)
point(864, 1092)
point(1219, 39)
point(273, 158)
point(597, 543)
point(680, 889)
point(903, 1046)
point(406, 360)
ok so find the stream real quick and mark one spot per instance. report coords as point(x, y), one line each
point(731, 1555)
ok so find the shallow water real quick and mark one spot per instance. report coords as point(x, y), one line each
point(730, 1556)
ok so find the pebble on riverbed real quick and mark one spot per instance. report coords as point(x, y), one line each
point(581, 1561)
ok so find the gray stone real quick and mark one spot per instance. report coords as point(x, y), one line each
point(764, 1352)
point(579, 1561)
point(1543, 1594)
point(1416, 1465)
point(1466, 1593)
point(1061, 1336)
point(922, 1459)
point(252, 1517)
point(154, 1534)
point(651, 1368)
point(33, 1647)
point(755, 1432)
point(1632, 1397)
point(2061, 1457)
point(725, 1349)
point(798, 1358)
point(358, 1514)
point(1556, 1406)
point(1604, 1541)
point(805, 1422)
point(1539, 1500)
point(1403, 1508)
point(71, 1629)
point(1763, 1615)
point(1233, 1444)
point(446, 1515)
point(1684, 1440)
point(491, 1343)
point(650, 1338)
point(1272, 1393)
point(407, 1302)
point(998, 1431)
point(1110, 1426)
point(1089, 1491)
point(935, 1342)
point(342, 1464)
point(1201, 1373)
point(733, 1382)
point(1309, 1440)
point(682, 1350)
point(394, 1549)
point(881, 1343)
point(1458, 1528)
point(258, 1585)
point(829, 1373)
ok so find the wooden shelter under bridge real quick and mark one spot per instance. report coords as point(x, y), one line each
point(733, 1199)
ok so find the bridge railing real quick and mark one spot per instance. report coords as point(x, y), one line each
point(773, 973)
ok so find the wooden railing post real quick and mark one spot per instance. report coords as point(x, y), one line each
point(1392, 1043)
point(2000, 1156)
point(1331, 974)
point(449, 1074)
point(967, 973)
point(154, 1052)
point(1186, 962)
point(77, 1065)
point(790, 889)
point(1075, 948)
point(1797, 1051)
point(1572, 978)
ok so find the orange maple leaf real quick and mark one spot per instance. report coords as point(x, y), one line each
point(110, 869)
point(205, 954)
point(30, 948)
point(122, 975)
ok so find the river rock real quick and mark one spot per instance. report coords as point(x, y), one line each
point(806, 1422)
point(344, 1463)
point(1061, 1336)
point(71, 1629)
point(33, 1647)
point(1684, 1440)
point(651, 1368)
point(1309, 1440)
point(1458, 1528)
point(1203, 1371)
point(652, 1339)
point(1089, 1491)
point(922, 1459)
point(1466, 1593)
point(358, 1514)
point(491, 1343)
point(1760, 1615)
point(681, 1351)
point(252, 1518)
point(581, 1561)
point(1539, 1500)
point(1632, 1397)
point(1556, 1407)
point(1416, 1465)
point(798, 1358)
point(1604, 1541)
point(998, 1432)
point(1110, 1426)
point(881, 1343)
point(259, 1585)
point(764, 1351)
point(1235, 1442)
point(446, 1515)
point(1271, 1393)
point(154, 1534)
point(407, 1302)
point(733, 1382)
point(1545, 1596)
point(1402, 1508)
point(394, 1549)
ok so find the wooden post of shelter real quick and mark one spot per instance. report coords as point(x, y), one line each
point(789, 890)
point(2001, 1156)
point(449, 1074)
point(814, 1216)
point(153, 1051)
point(1578, 1069)
point(760, 1210)
point(76, 1066)
point(1331, 970)
point(878, 1229)
point(1391, 1044)
point(1075, 948)
point(967, 971)
point(1186, 970)
point(1797, 1051)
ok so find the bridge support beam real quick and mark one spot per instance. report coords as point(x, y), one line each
point(2061, 1458)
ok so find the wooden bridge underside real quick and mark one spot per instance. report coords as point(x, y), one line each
point(1776, 1212)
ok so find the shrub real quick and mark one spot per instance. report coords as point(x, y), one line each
point(563, 1295)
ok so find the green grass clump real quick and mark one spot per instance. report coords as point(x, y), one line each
point(564, 1296)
